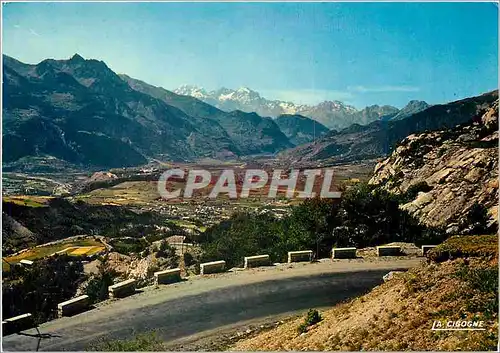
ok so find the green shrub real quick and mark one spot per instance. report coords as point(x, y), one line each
point(313, 317)
point(146, 252)
point(97, 288)
point(371, 216)
point(189, 259)
point(483, 286)
point(166, 251)
point(481, 279)
point(465, 246)
point(129, 245)
point(365, 216)
point(38, 289)
point(241, 235)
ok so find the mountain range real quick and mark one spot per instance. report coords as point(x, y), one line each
point(333, 114)
point(380, 138)
point(80, 113)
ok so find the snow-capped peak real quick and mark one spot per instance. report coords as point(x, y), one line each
point(193, 91)
point(245, 90)
point(333, 114)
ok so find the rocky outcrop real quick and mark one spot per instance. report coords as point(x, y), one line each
point(138, 267)
point(447, 171)
point(102, 176)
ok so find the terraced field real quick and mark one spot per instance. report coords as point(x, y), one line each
point(29, 201)
point(74, 248)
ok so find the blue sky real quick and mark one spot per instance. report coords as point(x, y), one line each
point(360, 53)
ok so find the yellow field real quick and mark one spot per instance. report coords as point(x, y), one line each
point(30, 201)
point(73, 248)
point(126, 193)
point(86, 250)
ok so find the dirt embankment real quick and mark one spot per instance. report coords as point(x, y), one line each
point(458, 282)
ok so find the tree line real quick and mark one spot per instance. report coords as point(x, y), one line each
point(366, 215)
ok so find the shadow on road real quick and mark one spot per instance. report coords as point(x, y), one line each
point(193, 314)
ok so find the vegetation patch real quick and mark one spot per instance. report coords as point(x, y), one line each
point(38, 289)
point(97, 286)
point(28, 201)
point(144, 342)
point(80, 247)
point(86, 250)
point(186, 224)
point(485, 246)
point(63, 219)
point(128, 246)
point(365, 216)
point(312, 318)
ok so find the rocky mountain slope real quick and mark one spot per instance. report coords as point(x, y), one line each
point(333, 114)
point(250, 132)
point(453, 169)
point(300, 129)
point(80, 111)
point(380, 137)
point(411, 108)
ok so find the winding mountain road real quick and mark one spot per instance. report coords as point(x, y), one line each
point(185, 312)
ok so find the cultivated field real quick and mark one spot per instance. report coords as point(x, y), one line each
point(83, 247)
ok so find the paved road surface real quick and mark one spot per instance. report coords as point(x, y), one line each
point(185, 311)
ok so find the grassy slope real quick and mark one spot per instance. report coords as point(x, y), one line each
point(459, 281)
point(28, 201)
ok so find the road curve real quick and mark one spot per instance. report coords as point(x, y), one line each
point(177, 312)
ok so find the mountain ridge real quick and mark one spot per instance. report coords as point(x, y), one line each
point(379, 138)
point(300, 129)
point(248, 140)
point(80, 111)
point(333, 114)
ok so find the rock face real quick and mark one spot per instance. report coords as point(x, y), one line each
point(139, 268)
point(459, 166)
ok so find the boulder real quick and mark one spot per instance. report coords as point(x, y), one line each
point(391, 275)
